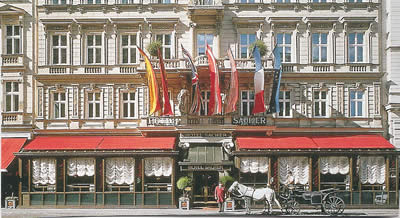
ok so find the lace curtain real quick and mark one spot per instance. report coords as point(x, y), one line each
point(158, 166)
point(120, 170)
point(44, 171)
point(299, 166)
point(334, 165)
point(254, 164)
point(80, 167)
point(372, 170)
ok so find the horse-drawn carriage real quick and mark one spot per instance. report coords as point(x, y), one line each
point(288, 200)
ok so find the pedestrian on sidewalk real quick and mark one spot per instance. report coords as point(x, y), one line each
point(220, 196)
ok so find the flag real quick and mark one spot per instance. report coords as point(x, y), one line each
point(274, 102)
point(167, 106)
point(215, 103)
point(259, 106)
point(233, 87)
point(152, 83)
point(196, 96)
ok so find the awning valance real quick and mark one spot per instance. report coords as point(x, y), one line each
point(314, 142)
point(49, 143)
point(8, 147)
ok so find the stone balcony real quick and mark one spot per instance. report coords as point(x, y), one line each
point(12, 118)
point(12, 60)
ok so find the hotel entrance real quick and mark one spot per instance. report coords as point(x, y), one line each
point(204, 183)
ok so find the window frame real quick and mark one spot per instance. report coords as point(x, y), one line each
point(60, 102)
point(59, 48)
point(320, 101)
point(88, 102)
point(285, 101)
point(205, 33)
point(248, 101)
point(247, 45)
point(13, 94)
point(357, 100)
point(284, 46)
point(129, 47)
point(94, 47)
point(320, 45)
point(356, 46)
point(205, 100)
point(13, 39)
point(164, 46)
point(129, 102)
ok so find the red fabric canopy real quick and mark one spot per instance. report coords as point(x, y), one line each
point(315, 142)
point(8, 147)
point(100, 143)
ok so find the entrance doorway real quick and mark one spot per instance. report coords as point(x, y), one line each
point(204, 183)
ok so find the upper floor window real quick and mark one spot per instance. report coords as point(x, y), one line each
point(12, 96)
point(59, 105)
point(356, 103)
point(202, 40)
point(94, 47)
point(284, 104)
point(284, 43)
point(94, 104)
point(282, 1)
point(356, 47)
point(319, 47)
point(58, 2)
point(163, 1)
point(204, 2)
point(59, 49)
point(319, 1)
point(129, 48)
point(247, 1)
point(247, 103)
point(129, 105)
point(205, 95)
point(92, 2)
point(13, 39)
point(320, 103)
point(354, 1)
point(245, 41)
point(165, 39)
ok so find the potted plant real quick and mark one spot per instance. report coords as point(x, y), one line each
point(184, 183)
point(153, 47)
point(261, 46)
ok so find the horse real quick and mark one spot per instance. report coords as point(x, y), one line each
point(261, 194)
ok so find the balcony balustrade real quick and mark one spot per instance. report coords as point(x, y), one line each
point(12, 60)
point(13, 118)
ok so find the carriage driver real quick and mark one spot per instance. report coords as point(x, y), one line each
point(289, 183)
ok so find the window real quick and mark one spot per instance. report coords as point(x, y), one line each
point(355, 1)
point(247, 1)
point(319, 1)
point(319, 47)
point(247, 102)
point(59, 102)
point(245, 41)
point(164, 1)
point(284, 43)
point(356, 103)
point(13, 39)
point(282, 1)
point(284, 104)
point(320, 100)
point(165, 39)
point(205, 95)
point(93, 2)
point(129, 102)
point(356, 44)
point(94, 103)
point(59, 49)
point(205, 2)
point(202, 39)
point(128, 47)
point(94, 47)
point(12, 96)
point(59, 2)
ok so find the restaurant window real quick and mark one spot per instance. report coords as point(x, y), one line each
point(284, 43)
point(356, 47)
point(334, 172)
point(247, 102)
point(245, 41)
point(297, 165)
point(80, 174)
point(129, 49)
point(59, 105)
point(205, 99)
point(202, 40)
point(356, 103)
point(120, 173)
point(129, 105)
point(44, 174)
point(372, 172)
point(166, 42)
point(12, 96)
point(158, 172)
point(254, 171)
point(58, 2)
point(13, 39)
point(94, 48)
point(284, 104)
point(319, 47)
point(59, 49)
point(94, 105)
point(320, 104)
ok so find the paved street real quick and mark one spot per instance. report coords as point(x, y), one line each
point(17, 213)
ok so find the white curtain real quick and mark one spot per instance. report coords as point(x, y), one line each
point(80, 167)
point(120, 170)
point(254, 164)
point(372, 170)
point(299, 166)
point(158, 166)
point(44, 171)
point(334, 165)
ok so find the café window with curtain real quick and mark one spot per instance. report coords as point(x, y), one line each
point(254, 171)
point(80, 174)
point(334, 172)
point(158, 171)
point(120, 173)
point(44, 174)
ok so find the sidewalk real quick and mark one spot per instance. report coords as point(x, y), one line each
point(209, 212)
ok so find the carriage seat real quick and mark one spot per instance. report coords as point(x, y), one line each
point(311, 195)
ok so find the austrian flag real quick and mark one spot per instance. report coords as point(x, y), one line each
point(215, 103)
point(259, 106)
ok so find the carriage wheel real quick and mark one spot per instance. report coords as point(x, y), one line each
point(333, 205)
point(292, 207)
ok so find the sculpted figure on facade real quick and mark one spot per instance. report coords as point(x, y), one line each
point(183, 101)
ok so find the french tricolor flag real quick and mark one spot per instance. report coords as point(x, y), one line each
point(259, 106)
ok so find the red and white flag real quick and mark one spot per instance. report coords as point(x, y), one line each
point(215, 104)
point(259, 106)
point(167, 110)
point(233, 87)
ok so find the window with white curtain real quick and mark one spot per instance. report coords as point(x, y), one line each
point(372, 170)
point(120, 170)
point(299, 166)
point(81, 166)
point(254, 164)
point(44, 171)
point(158, 166)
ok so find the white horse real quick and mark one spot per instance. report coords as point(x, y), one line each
point(261, 194)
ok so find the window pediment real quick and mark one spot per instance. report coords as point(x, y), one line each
point(11, 10)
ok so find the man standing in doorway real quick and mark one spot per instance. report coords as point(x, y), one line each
point(220, 196)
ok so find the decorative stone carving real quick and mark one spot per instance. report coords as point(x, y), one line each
point(183, 101)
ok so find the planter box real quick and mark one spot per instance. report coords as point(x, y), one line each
point(184, 203)
point(11, 202)
point(229, 205)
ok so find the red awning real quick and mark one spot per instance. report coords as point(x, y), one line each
point(100, 143)
point(8, 147)
point(315, 142)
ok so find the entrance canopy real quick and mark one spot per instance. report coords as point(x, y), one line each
point(8, 147)
point(314, 142)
